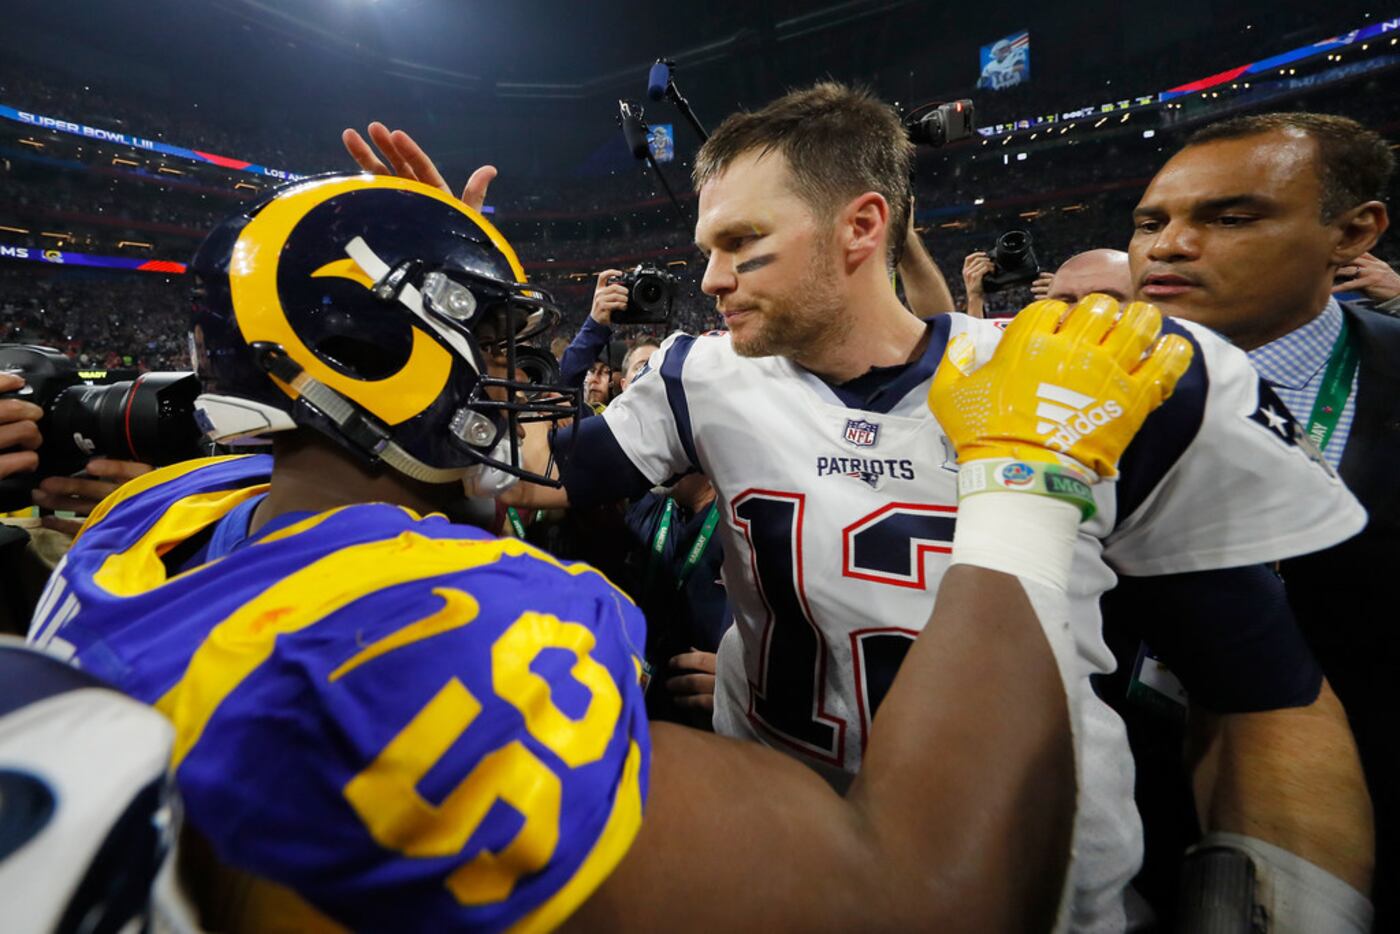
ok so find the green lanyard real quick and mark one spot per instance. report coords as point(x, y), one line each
point(516, 525)
point(1335, 390)
point(697, 550)
point(658, 541)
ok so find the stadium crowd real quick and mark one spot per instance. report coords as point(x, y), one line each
point(1203, 601)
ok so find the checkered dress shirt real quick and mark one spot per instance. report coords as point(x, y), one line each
point(1293, 365)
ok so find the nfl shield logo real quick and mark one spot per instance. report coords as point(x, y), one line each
point(861, 433)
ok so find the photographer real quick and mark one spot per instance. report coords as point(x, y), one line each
point(19, 429)
point(581, 356)
point(975, 269)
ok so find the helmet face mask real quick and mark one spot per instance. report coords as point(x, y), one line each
point(382, 313)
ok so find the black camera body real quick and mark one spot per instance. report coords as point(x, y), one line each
point(149, 418)
point(940, 124)
point(651, 295)
point(1013, 262)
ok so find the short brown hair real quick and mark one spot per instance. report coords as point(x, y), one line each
point(1354, 163)
point(839, 142)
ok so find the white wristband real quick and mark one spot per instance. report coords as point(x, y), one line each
point(1026, 535)
point(1297, 896)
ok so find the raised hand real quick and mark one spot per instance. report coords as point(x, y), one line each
point(407, 159)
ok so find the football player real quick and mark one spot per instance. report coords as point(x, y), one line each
point(838, 495)
point(388, 721)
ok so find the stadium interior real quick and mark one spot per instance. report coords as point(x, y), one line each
point(129, 131)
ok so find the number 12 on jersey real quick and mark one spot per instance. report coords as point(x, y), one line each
point(887, 546)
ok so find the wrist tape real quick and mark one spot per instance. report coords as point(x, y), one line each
point(1029, 536)
point(1008, 475)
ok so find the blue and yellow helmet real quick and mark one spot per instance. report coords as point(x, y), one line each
point(381, 312)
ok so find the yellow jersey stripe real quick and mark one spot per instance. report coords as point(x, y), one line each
point(138, 568)
point(149, 481)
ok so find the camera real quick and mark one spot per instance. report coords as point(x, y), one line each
point(149, 418)
point(1013, 262)
point(940, 124)
point(651, 295)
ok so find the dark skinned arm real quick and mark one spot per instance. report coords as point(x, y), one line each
point(925, 839)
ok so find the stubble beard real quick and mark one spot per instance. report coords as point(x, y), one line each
point(804, 320)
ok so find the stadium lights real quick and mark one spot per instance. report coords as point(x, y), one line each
point(978, 200)
point(18, 230)
point(1102, 121)
point(31, 142)
point(1148, 134)
point(1034, 135)
point(118, 160)
point(167, 170)
point(1125, 118)
point(56, 236)
point(135, 243)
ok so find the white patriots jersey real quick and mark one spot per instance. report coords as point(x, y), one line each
point(838, 526)
point(1000, 75)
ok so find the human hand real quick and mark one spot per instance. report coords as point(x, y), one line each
point(81, 495)
point(694, 691)
point(19, 429)
point(408, 160)
point(975, 268)
point(608, 297)
point(1061, 383)
point(1040, 288)
point(1372, 276)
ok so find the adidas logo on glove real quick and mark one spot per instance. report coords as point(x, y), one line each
point(1066, 416)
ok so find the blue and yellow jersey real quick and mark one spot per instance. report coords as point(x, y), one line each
point(410, 723)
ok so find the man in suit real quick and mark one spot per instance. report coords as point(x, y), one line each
point(1246, 230)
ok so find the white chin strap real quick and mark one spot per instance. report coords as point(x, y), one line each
point(226, 419)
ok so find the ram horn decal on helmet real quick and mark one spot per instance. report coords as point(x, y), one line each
point(406, 352)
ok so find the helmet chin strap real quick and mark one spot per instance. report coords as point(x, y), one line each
point(360, 428)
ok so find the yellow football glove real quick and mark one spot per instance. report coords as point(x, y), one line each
point(1076, 385)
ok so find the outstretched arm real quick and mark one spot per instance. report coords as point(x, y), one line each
point(924, 841)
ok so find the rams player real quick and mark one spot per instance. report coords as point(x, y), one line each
point(839, 498)
point(384, 720)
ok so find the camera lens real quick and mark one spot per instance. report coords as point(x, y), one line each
point(649, 291)
point(1013, 244)
point(150, 419)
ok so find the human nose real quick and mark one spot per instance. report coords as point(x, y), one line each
point(719, 278)
point(1175, 240)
